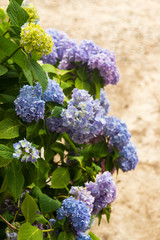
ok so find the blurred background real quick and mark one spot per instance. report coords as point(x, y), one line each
point(131, 29)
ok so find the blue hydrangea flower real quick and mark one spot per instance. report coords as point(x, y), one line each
point(53, 92)
point(25, 151)
point(28, 105)
point(104, 101)
point(77, 213)
point(103, 190)
point(84, 117)
point(82, 194)
point(128, 157)
point(82, 236)
point(117, 132)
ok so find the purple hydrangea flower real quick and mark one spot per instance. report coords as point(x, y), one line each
point(105, 63)
point(25, 151)
point(54, 124)
point(104, 101)
point(128, 157)
point(103, 190)
point(77, 212)
point(61, 43)
point(117, 132)
point(28, 105)
point(82, 236)
point(82, 194)
point(84, 117)
point(53, 92)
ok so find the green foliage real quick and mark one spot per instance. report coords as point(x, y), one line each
point(61, 162)
point(93, 236)
point(60, 178)
point(29, 209)
point(29, 232)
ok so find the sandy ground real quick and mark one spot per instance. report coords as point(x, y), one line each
point(131, 29)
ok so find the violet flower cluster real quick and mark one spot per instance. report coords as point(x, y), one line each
point(103, 190)
point(128, 157)
point(62, 42)
point(119, 137)
point(30, 103)
point(77, 212)
point(25, 151)
point(82, 194)
point(82, 236)
point(66, 53)
point(83, 119)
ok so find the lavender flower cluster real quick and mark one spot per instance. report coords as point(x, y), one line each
point(67, 52)
point(82, 120)
point(30, 103)
point(97, 195)
point(25, 151)
point(119, 137)
point(77, 213)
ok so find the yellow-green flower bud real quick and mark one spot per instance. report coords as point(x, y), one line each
point(32, 12)
point(35, 40)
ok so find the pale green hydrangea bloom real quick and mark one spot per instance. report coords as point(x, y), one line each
point(35, 40)
point(32, 12)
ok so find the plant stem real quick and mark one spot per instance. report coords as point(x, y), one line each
point(11, 55)
point(10, 225)
point(48, 230)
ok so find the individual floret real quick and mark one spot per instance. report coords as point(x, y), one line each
point(103, 190)
point(77, 213)
point(128, 157)
point(35, 40)
point(25, 151)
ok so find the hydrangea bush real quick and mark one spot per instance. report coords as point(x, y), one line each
point(59, 148)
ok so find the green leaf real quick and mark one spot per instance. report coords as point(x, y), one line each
point(65, 236)
point(97, 83)
point(32, 130)
point(82, 73)
point(14, 180)
point(3, 70)
point(4, 162)
point(41, 219)
point(6, 152)
point(47, 204)
point(42, 172)
point(29, 208)
point(57, 111)
point(82, 84)
point(4, 98)
point(58, 148)
point(100, 149)
point(38, 73)
point(17, 14)
point(60, 178)
point(2, 14)
point(29, 232)
point(69, 140)
point(93, 237)
point(49, 68)
point(7, 48)
point(9, 129)
point(108, 212)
